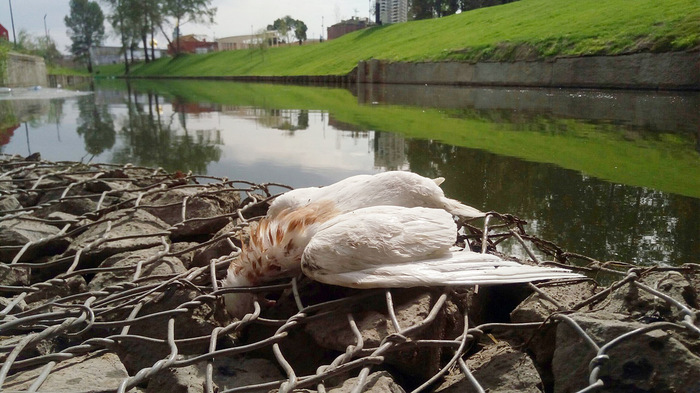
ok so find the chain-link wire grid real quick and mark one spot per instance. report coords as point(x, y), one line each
point(89, 321)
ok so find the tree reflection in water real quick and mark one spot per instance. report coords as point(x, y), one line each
point(95, 125)
point(285, 120)
point(156, 141)
point(606, 221)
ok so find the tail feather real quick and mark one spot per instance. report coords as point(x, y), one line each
point(459, 209)
point(459, 268)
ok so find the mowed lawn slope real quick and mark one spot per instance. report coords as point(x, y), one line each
point(523, 29)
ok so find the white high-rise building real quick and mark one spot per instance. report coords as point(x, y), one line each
point(393, 11)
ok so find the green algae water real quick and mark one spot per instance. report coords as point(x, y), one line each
point(609, 174)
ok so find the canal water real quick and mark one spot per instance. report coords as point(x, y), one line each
point(614, 175)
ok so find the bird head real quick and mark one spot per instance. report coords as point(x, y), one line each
point(238, 304)
point(273, 251)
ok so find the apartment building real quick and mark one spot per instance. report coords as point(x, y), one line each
point(393, 11)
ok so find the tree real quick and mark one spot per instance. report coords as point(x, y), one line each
point(122, 25)
point(467, 5)
point(133, 21)
point(42, 46)
point(85, 27)
point(150, 16)
point(300, 31)
point(284, 26)
point(261, 42)
point(25, 41)
point(422, 9)
point(426, 9)
point(183, 11)
point(48, 50)
point(449, 7)
point(155, 18)
point(287, 24)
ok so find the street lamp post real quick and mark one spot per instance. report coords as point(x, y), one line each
point(12, 19)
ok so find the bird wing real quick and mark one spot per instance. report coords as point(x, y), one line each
point(456, 269)
point(396, 188)
point(377, 236)
point(300, 197)
point(391, 246)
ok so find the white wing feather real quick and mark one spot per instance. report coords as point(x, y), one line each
point(390, 246)
point(457, 268)
point(396, 188)
point(377, 236)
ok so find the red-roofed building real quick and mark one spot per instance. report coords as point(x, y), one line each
point(4, 33)
point(191, 44)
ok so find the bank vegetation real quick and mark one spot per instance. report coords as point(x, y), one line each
point(522, 30)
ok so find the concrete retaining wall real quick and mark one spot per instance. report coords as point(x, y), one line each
point(67, 80)
point(24, 71)
point(650, 71)
point(677, 71)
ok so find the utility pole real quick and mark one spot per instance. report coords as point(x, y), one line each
point(46, 31)
point(12, 19)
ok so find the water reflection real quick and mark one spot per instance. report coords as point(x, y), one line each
point(539, 154)
point(589, 216)
point(21, 113)
point(95, 126)
point(643, 111)
point(153, 140)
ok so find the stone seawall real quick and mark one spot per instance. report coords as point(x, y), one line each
point(24, 71)
point(641, 71)
point(671, 71)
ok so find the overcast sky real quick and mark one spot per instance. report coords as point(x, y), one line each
point(233, 17)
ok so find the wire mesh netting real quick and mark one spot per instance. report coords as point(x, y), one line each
point(110, 281)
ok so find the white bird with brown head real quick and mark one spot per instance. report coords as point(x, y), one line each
point(393, 229)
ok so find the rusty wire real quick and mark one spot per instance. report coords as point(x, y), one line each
point(102, 320)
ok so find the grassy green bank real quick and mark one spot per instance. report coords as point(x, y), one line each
point(526, 29)
point(663, 161)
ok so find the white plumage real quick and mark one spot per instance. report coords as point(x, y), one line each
point(393, 229)
point(394, 188)
point(398, 247)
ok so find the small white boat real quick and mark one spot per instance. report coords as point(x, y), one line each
point(5, 90)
